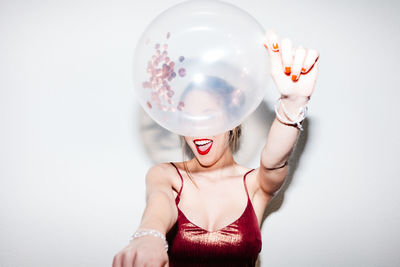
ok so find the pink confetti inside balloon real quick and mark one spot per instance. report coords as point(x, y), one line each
point(181, 105)
point(182, 72)
point(200, 67)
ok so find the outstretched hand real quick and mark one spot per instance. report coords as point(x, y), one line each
point(143, 251)
point(293, 69)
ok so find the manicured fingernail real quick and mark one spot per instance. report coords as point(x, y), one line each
point(275, 47)
point(266, 46)
point(294, 78)
point(303, 70)
point(288, 70)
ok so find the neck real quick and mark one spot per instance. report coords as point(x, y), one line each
point(223, 165)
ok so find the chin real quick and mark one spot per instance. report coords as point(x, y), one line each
point(206, 161)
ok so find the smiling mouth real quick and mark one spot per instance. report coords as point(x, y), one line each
point(203, 145)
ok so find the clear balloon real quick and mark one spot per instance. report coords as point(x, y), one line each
point(200, 68)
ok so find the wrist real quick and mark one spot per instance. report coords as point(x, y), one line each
point(148, 224)
point(293, 104)
point(295, 99)
point(293, 114)
point(150, 232)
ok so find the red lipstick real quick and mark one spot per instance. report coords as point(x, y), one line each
point(203, 145)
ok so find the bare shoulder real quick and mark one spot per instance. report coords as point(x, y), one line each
point(250, 178)
point(258, 197)
point(253, 184)
point(163, 174)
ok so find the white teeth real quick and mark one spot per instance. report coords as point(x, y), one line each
point(202, 143)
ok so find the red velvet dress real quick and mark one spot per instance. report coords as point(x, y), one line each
point(237, 244)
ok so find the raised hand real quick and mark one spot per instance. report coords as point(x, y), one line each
point(293, 69)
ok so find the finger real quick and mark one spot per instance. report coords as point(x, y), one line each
point(272, 41)
point(117, 261)
point(287, 55)
point(272, 45)
point(128, 260)
point(313, 72)
point(299, 57)
point(311, 58)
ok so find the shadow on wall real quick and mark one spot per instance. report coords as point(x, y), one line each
point(277, 201)
point(162, 145)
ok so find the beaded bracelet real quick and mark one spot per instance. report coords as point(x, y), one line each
point(150, 232)
point(297, 123)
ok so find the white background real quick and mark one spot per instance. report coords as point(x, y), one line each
point(75, 145)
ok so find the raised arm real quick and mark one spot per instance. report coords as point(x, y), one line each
point(160, 214)
point(294, 71)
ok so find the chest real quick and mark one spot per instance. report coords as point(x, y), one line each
point(213, 206)
point(236, 243)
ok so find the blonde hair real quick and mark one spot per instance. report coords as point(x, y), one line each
point(234, 145)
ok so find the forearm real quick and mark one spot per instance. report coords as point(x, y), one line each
point(160, 212)
point(281, 138)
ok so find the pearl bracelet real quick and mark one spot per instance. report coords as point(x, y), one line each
point(293, 122)
point(150, 232)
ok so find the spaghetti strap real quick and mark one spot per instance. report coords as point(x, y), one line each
point(178, 197)
point(244, 181)
point(238, 243)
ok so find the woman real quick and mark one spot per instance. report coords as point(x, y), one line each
point(210, 208)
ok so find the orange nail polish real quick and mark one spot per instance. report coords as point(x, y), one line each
point(275, 47)
point(288, 70)
point(303, 70)
point(294, 78)
point(266, 46)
